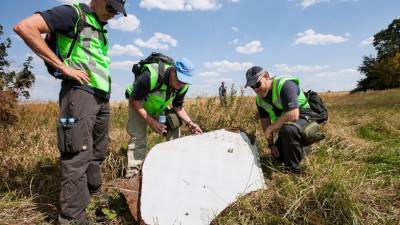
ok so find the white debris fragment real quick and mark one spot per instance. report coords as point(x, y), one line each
point(189, 181)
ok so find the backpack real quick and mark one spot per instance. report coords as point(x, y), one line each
point(154, 57)
point(51, 41)
point(320, 112)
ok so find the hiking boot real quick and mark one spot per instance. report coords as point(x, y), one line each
point(131, 172)
point(294, 171)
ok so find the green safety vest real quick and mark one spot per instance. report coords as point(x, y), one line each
point(90, 51)
point(156, 102)
point(277, 85)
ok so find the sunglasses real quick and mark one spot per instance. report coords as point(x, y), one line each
point(257, 85)
point(110, 9)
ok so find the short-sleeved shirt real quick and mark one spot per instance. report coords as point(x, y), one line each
point(62, 19)
point(141, 89)
point(289, 96)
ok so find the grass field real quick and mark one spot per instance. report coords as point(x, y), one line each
point(352, 177)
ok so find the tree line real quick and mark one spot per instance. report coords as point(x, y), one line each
point(13, 84)
point(383, 71)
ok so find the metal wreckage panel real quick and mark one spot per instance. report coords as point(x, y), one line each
point(190, 180)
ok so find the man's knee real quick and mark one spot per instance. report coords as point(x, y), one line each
point(288, 130)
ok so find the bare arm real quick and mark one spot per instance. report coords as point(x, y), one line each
point(180, 111)
point(265, 123)
point(182, 114)
point(290, 116)
point(30, 30)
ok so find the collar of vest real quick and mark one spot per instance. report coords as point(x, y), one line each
point(87, 9)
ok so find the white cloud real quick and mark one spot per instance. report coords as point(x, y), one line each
point(122, 65)
point(235, 29)
point(207, 75)
point(217, 81)
point(124, 50)
point(339, 80)
point(250, 48)
point(308, 3)
point(125, 24)
point(234, 42)
point(158, 41)
point(284, 68)
point(181, 5)
point(310, 37)
point(227, 66)
point(73, 1)
point(335, 74)
point(367, 41)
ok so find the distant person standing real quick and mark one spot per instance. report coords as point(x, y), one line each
point(75, 51)
point(222, 93)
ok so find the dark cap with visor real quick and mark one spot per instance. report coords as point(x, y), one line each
point(253, 75)
point(118, 5)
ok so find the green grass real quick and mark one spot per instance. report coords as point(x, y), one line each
point(351, 177)
point(385, 161)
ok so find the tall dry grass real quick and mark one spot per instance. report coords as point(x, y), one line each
point(352, 177)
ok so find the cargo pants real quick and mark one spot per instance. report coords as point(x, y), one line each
point(83, 143)
point(290, 147)
point(137, 130)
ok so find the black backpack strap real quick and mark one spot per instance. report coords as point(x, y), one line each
point(81, 23)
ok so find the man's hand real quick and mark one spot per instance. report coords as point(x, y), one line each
point(274, 151)
point(268, 133)
point(75, 74)
point(158, 127)
point(194, 128)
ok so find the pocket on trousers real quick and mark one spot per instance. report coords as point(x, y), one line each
point(311, 133)
point(73, 138)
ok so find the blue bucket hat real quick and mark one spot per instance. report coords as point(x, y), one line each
point(184, 70)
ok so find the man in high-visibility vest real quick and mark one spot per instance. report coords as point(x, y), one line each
point(80, 58)
point(283, 108)
point(149, 97)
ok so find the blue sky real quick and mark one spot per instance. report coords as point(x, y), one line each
point(320, 41)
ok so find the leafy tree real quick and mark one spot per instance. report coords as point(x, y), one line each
point(382, 72)
point(12, 84)
point(387, 41)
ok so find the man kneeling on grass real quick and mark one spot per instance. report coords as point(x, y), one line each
point(282, 107)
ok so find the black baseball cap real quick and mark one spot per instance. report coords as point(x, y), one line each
point(253, 75)
point(118, 5)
